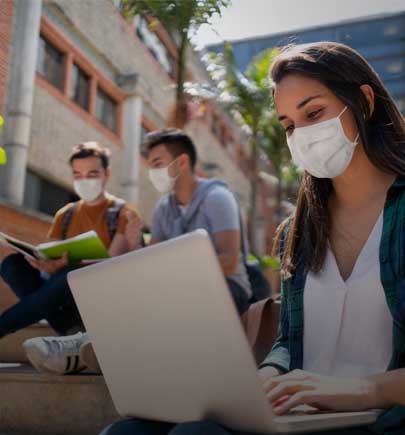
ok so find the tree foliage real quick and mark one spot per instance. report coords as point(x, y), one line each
point(181, 18)
point(248, 96)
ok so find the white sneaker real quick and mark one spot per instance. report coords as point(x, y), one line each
point(60, 355)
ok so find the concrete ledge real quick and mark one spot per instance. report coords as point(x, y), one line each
point(41, 404)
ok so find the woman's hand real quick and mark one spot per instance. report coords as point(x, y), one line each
point(266, 374)
point(133, 230)
point(323, 392)
point(49, 266)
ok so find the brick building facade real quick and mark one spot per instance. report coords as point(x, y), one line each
point(97, 76)
point(6, 22)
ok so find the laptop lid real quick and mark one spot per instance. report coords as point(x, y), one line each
point(170, 342)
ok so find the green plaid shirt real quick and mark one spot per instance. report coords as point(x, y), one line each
point(287, 352)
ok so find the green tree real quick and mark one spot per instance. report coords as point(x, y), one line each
point(182, 18)
point(274, 145)
point(248, 96)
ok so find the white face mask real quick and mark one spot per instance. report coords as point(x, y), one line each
point(322, 149)
point(161, 179)
point(89, 189)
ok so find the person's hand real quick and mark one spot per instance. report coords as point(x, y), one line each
point(49, 266)
point(322, 392)
point(133, 230)
point(267, 374)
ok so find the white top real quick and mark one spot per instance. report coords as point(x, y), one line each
point(347, 324)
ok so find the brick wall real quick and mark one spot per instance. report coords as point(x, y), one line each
point(6, 18)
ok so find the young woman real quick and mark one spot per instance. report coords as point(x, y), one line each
point(342, 329)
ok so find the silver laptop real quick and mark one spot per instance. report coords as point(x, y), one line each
point(171, 345)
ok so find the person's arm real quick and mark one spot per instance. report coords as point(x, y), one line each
point(55, 230)
point(49, 266)
point(119, 246)
point(55, 233)
point(129, 233)
point(389, 388)
point(222, 213)
point(383, 390)
point(157, 234)
point(227, 245)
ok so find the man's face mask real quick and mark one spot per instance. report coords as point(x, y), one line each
point(161, 179)
point(322, 149)
point(89, 189)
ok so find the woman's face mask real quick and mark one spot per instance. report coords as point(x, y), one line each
point(322, 149)
point(161, 179)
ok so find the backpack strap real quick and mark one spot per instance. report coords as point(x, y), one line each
point(112, 216)
point(67, 218)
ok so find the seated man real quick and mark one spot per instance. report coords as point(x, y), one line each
point(191, 203)
point(49, 297)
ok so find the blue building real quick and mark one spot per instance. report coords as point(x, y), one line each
point(380, 39)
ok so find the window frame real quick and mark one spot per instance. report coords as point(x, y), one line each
point(74, 56)
point(81, 71)
point(62, 64)
point(164, 41)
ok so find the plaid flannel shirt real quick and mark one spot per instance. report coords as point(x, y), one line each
point(287, 352)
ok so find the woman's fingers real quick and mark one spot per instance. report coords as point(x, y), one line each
point(288, 388)
point(296, 376)
point(308, 397)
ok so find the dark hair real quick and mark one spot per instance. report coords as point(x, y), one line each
point(90, 149)
point(176, 141)
point(342, 70)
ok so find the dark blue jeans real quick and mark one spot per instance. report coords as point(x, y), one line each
point(143, 427)
point(40, 298)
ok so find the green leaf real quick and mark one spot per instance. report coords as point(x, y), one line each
point(3, 156)
point(266, 261)
point(1, 121)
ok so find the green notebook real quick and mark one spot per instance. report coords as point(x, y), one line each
point(86, 246)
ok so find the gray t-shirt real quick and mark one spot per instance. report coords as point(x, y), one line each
point(212, 207)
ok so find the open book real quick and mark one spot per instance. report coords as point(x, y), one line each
point(86, 246)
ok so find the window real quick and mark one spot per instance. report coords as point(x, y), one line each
point(44, 196)
point(106, 110)
point(50, 63)
point(80, 82)
point(154, 45)
point(80, 87)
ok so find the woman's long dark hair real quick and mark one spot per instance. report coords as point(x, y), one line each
point(343, 71)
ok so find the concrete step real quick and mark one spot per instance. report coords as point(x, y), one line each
point(11, 350)
point(40, 404)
